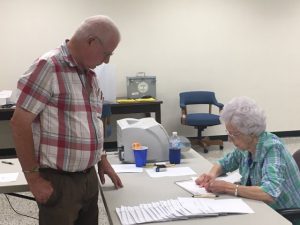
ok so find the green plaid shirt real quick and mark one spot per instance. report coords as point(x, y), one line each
point(273, 169)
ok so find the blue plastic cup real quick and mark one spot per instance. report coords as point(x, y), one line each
point(140, 156)
point(174, 155)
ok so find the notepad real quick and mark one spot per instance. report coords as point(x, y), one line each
point(191, 187)
point(197, 191)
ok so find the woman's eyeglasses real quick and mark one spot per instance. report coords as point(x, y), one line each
point(233, 135)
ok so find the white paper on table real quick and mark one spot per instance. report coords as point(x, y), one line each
point(126, 168)
point(155, 214)
point(230, 206)
point(129, 216)
point(198, 206)
point(159, 212)
point(171, 172)
point(5, 94)
point(174, 209)
point(146, 214)
point(146, 208)
point(189, 207)
point(233, 177)
point(176, 205)
point(134, 215)
point(8, 177)
point(122, 215)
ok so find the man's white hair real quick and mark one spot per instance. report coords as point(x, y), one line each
point(100, 26)
point(245, 115)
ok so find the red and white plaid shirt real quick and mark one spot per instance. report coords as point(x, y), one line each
point(68, 131)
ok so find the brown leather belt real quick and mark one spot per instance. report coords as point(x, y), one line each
point(51, 170)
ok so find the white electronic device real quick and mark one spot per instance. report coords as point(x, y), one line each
point(145, 131)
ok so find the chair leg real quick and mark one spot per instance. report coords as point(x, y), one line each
point(209, 142)
point(196, 141)
point(199, 139)
point(205, 142)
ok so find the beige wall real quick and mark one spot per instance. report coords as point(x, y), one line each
point(233, 47)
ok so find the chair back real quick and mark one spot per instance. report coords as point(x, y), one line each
point(296, 156)
point(197, 97)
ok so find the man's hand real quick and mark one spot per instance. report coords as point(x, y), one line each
point(40, 188)
point(104, 167)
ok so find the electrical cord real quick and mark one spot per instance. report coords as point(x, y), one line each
point(18, 212)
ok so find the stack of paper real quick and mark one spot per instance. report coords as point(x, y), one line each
point(180, 208)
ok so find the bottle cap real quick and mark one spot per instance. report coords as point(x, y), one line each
point(174, 133)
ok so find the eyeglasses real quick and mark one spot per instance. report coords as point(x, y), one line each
point(233, 136)
point(105, 53)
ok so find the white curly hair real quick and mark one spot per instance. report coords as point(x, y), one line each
point(245, 115)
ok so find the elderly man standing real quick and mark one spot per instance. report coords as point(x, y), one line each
point(57, 127)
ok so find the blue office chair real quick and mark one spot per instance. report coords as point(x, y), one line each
point(292, 215)
point(200, 120)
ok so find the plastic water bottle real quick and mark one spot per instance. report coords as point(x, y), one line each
point(174, 149)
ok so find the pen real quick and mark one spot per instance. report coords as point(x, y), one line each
point(5, 162)
point(205, 196)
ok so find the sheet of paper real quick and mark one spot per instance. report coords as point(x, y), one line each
point(146, 214)
point(8, 177)
point(5, 93)
point(122, 215)
point(197, 206)
point(146, 208)
point(126, 168)
point(230, 206)
point(233, 177)
point(171, 172)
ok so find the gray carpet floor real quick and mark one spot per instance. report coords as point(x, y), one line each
point(27, 207)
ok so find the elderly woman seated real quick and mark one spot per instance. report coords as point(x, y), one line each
point(269, 172)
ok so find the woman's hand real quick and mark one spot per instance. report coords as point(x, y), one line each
point(219, 186)
point(204, 179)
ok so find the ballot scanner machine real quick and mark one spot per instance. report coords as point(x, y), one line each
point(145, 131)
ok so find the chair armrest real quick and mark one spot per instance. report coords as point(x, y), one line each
point(183, 115)
point(293, 213)
point(220, 105)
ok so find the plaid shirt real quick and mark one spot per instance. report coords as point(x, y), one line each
point(68, 131)
point(273, 170)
